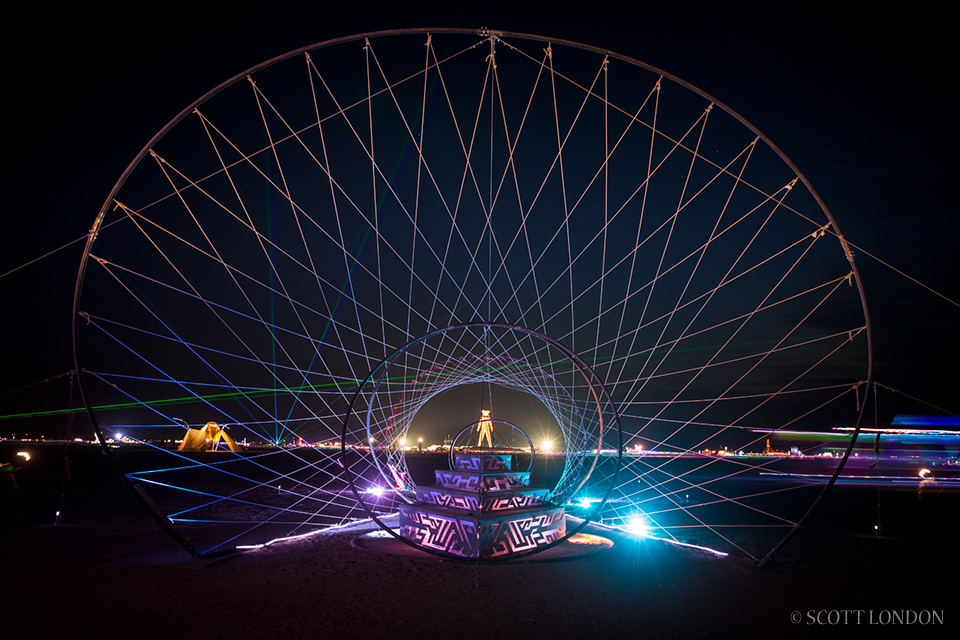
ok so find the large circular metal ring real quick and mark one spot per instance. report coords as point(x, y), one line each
point(302, 220)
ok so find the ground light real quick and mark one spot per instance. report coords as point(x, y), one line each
point(586, 503)
point(638, 527)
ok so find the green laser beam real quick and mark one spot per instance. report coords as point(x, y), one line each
point(347, 383)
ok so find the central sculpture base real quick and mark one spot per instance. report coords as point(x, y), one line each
point(482, 509)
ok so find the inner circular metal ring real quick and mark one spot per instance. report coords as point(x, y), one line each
point(509, 355)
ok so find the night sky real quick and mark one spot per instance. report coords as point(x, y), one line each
point(857, 100)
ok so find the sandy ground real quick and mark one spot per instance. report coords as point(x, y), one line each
point(111, 573)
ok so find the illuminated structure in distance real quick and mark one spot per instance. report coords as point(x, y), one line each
point(912, 450)
point(207, 438)
point(485, 427)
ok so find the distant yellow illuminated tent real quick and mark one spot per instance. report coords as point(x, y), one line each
point(207, 438)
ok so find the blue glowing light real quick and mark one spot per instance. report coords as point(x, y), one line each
point(586, 503)
point(638, 527)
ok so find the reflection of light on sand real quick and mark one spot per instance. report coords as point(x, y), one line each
point(589, 539)
point(677, 543)
point(334, 529)
point(648, 536)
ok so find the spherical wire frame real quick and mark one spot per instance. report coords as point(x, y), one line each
point(597, 394)
point(162, 310)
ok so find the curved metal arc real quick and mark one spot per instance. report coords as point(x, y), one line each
point(383, 367)
point(138, 491)
point(344, 463)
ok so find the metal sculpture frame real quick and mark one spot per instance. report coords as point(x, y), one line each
point(99, 223)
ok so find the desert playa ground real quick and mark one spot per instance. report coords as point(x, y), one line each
point(107, 571)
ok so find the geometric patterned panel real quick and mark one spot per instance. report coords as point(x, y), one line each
point(444, 533)
point(463, 480)
point(481, 509)
point(449, 499)
point(505, 481)
point(514, 535)
point(513, 500)
point(486, 502)
point(481, 481)
point(482, 461)
point(469, 537)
